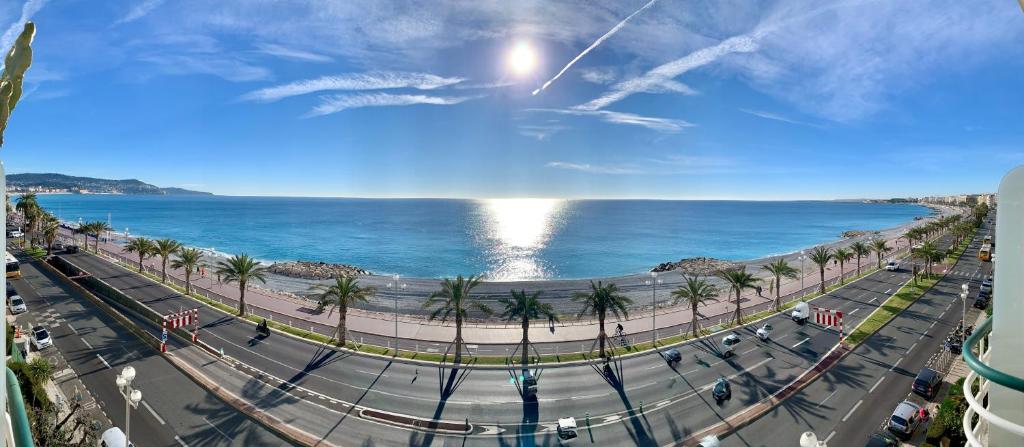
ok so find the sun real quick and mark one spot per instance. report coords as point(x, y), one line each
point(522, 59)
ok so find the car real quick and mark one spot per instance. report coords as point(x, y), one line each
point(41, 338)
point(113, 437)
point(15, 234)
point(566, 430)
point(764, 332)
point(981, 302)
point(71, 249)
point(529, 385)
point(17, 304)
point(882, 439)
point(672, 355)
point(904, 420)
point(927, 383)
point(722, 390)
point(729, 343)
point(986, 286)
point(10, 290)
point(58, 246)
point(801, 312)
point(892, 266)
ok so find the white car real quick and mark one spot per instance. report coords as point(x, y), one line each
point(566, 430)
point(892, 266)
point(17, 304)
point(728, 344)
point(764, 332)
point(41, 338)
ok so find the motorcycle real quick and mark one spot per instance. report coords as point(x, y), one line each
point(262, 329)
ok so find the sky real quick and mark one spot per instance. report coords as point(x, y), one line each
point(664, 99)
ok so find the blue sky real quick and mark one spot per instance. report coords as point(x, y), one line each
point(685, 99)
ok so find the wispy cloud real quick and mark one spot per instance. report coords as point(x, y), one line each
point(598, 75)
point(592, 169)
point(775, 117)
point(336, 103)
point(597, 42)
point(654, 123)
point(291, 53)
point(29, 9)
point(662, 75)
point(230, 69)
point(353, 81)
point(484, 85)
point(139, 11)
point(540, 131)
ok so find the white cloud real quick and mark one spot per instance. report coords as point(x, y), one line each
point(292, 53)
point(336, 103)
point(139, 11)
point(775, 117)
point(29, 9)
point(541, 132)
point(234, 70)
point(599, 75)
point(353, 81)
point(592, 169)
point(669, 125)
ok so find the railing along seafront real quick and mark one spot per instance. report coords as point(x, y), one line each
point(976, 431)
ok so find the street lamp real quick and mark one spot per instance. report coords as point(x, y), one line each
point(132, 397)
point(963, 313)
point(653, 282)
point(802, 272)
point(809, 439)
point(396, 286)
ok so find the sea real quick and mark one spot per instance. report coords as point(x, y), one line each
point(504, 239)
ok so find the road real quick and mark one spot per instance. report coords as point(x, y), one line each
point(856, 396)
point(490, 397)
point(174, 411)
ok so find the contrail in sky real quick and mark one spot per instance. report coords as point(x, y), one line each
point(597, 42)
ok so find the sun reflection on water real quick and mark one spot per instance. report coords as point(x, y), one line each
point(515, 230)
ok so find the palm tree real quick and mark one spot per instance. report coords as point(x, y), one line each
point(842, 255)
point(779, 268)
point(695, 292)
point(165, 248)
point(526, 307)
point(880, 248)
point(598, 302)
point(821, 255)
point(188, 259)
point(738, 280)
point(28, 206)
point(343, 293)
point(861, 250)
point(241, 269)
point(50, 230)
point(97, 228)
point(928, 253)
point(455, 298)
point(144, 247)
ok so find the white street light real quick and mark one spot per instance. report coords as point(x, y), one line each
point(653, 282)
point(396, 286)
point(802, 273)
point(809, 439)
point(963, 312)
point(132, 397)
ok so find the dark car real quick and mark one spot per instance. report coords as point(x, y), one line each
point(10, 290)
point(927, 383)
point(672, 355)
point(71, 249)
point(721, 391)
point(981, 302)
point(882, 439)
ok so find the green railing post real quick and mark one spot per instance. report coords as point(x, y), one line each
point(16, 406)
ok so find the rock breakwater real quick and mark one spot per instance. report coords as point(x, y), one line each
point(314, 270)
point(695, 266)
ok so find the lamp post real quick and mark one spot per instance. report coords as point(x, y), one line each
point(132, 397)
point(396, 287)
point(802, 272)
point(653, 282)
point(809, 439)
point(963, 312)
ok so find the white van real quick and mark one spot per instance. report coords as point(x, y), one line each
point(113, 437)
point(801, 312)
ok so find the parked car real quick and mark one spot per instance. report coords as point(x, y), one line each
point(882, 439)
point(981, 302)
point(721, 391)
point(927, 383)
point(892, 266)
point(41, 338)
point(71, 249)
point(17, 305)
point(10, 290)
point(986, 287)
point(672, 355)
point(15, 234)
point(904, 420)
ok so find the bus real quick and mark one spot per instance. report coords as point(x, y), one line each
point(985, 254)
point(13, 269)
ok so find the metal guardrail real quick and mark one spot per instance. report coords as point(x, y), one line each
point(977, 403)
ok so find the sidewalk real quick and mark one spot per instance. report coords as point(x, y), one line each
point(670, 321)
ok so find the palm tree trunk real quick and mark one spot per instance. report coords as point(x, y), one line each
point(241, 298)
point(140, 261)
point(526, 341)
point(601, 334)
point(342, 317)
point(821, 269)
point(458, 339)
point(163, 270)
point(693, 324)
point(188, 281)
point(858, 265)
point(778, 292)
point(842, 267)
point(738, 316)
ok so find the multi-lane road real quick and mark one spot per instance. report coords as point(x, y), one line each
point(174, 410)
point(674, 401)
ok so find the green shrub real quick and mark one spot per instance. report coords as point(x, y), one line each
point(935, 432)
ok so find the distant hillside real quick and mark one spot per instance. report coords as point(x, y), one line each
point(88, 185)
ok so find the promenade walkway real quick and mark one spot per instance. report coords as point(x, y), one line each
point(380, 328)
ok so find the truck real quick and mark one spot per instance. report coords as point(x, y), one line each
point(801, 312)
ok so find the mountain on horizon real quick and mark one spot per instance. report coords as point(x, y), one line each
point(52, 182)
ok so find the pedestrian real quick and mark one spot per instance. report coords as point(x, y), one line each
point(202, 272)
point(758, 290)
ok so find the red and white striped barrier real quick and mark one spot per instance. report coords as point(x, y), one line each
point(829, 318)
point(180, 320)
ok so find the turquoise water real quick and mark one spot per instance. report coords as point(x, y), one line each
point(505, 239)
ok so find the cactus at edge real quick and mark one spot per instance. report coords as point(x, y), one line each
point(16, 63)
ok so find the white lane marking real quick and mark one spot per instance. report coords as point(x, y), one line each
point(911, 348)
point(802, 342)
point(921, 337)
point(826, 399)
point(182, 443)
point(87, 343)
point(854, 311)
point(949, 305)
point(749, 350)
point(103, 360)
point(848, 414)
point(894, 365)
point(830, 435)
point(888, 290)
point(153, 412)
point(72, 328)
point(942, 315)
point(873, 299)
point(931, 325)
point(218, 430)
point(879, 382)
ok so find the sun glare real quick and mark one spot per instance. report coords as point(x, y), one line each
point(522, 59)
